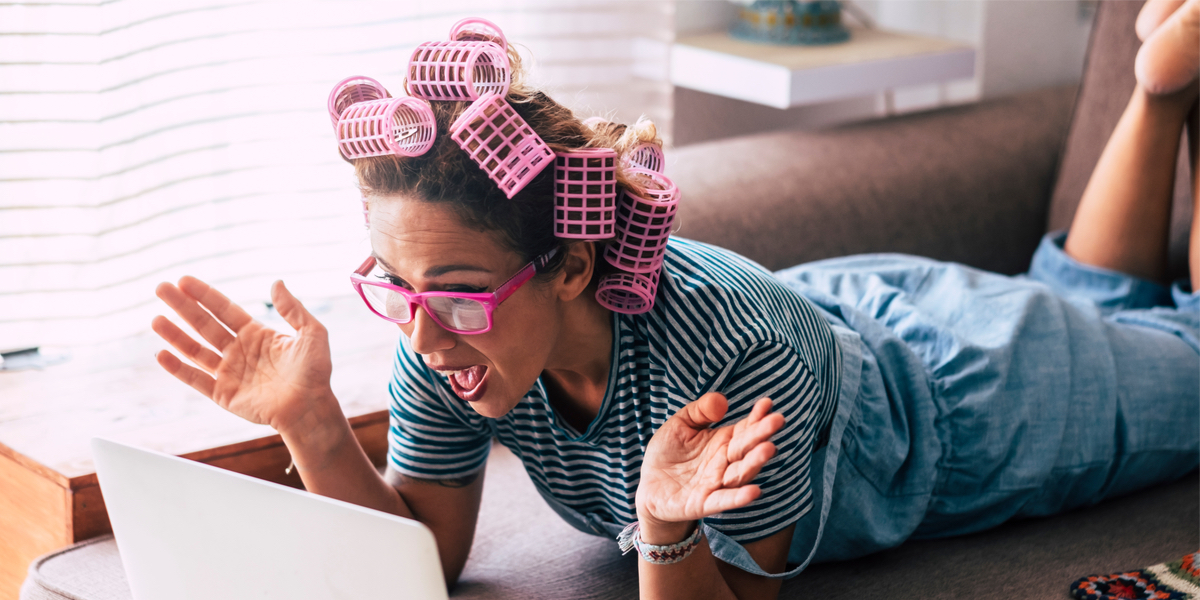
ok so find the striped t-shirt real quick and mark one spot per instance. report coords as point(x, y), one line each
point(720, 323)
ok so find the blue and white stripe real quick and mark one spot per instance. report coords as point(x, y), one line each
point(719, 323)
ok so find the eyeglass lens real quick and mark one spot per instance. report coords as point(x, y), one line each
point(462, 314)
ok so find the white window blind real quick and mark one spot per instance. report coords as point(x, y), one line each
point(141, 140)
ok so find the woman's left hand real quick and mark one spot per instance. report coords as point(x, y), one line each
point(691, 471)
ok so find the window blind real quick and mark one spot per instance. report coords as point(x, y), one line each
point(144, 140)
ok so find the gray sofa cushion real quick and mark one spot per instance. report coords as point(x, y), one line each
point(969, 184)
point(88, 570)
point(523, 550)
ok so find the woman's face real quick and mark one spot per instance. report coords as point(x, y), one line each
point(427, 248)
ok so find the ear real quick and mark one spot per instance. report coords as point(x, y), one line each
point(577, 270)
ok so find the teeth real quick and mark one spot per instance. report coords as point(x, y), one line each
point(449, 373)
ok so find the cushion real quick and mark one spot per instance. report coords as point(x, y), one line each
point(969, 184)
point(88, 570)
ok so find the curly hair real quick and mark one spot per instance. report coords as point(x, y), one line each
point(448, 175)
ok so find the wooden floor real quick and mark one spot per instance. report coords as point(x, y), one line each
point(49, 496)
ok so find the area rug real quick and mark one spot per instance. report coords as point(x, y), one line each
point(1179, 580)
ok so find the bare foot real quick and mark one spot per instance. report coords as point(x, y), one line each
point(1169, 59)
point(1153, 13)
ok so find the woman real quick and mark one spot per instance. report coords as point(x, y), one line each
point(907, 398)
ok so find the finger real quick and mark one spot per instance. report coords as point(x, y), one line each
point(757, 412)
point(744, 471)
point(760, 410)
point(747, 438)
point(195, 315)
point(197, 379)
point(291, 309)
point(725, 500)
point(191, 349)
point(705, 411)
point(217, 303)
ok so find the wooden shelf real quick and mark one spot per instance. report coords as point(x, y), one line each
point(873, 60)
point(49, 496)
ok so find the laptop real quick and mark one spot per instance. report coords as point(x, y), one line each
point(189, 530)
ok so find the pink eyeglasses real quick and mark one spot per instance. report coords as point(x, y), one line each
point(467, 313)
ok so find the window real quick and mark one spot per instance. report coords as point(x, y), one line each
point(142, 140)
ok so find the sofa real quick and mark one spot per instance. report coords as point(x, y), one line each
point(976, 184)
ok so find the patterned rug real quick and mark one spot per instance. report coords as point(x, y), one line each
point(1179, 580)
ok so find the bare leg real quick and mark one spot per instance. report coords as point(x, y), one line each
point(1194, 153)
point(1124, 216)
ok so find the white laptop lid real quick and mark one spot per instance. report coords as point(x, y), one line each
point(189, 530)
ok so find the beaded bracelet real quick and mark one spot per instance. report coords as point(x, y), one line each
point(631, 538)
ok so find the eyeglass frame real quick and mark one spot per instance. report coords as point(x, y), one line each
point(489, 300)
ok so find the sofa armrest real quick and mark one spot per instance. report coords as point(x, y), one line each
point(969, 184)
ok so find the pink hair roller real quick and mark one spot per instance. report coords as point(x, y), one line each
point(503, 144)
point(353, 90)
point(643, 223)
point(646, 155)
point(403, 126)
point(585, 193)
point(474, 29)
point(628, 293)
point(458, 70)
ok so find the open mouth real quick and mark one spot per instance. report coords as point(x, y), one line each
point(470, 383)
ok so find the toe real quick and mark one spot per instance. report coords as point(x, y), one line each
point(1153, 13)
point(1169, 60)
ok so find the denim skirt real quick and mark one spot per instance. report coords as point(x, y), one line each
point(970, 398)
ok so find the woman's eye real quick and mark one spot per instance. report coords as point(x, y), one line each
point(458, 289)
point(462, 289)
point(392, 279)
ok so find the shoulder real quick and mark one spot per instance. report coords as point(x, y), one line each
point(718, 294)
point(707, 278)
point(718, 313)
point(698, 265)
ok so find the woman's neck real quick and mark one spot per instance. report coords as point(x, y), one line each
point(576, 377)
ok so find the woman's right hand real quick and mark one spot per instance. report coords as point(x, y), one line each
point(257, 373)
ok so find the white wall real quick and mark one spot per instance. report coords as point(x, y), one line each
point(1020, 45)
point(1029, 45)
point(959, 20)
